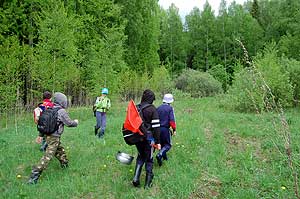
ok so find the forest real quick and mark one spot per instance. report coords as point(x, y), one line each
point(78, 47)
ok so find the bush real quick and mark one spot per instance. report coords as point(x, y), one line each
point(245, 94)
point(249, 91)
point(132, 84)
point(160, 81)
point(293, 68)
point(220, 74)
point(198, 84)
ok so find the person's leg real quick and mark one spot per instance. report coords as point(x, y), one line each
point(98, 124)
point(149, 165)
point(167, 144)
point(103, 124)
point(53, 143)
point(43, 144)
point(140, 160)
point(61, 156)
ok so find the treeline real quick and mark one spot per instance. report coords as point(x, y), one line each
point(78, 47)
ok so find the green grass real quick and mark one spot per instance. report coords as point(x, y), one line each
point(216, 154)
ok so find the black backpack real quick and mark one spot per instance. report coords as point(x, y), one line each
point(132, 138)
point(48, 122)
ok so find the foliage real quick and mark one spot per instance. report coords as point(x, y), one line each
point(245, 94)
point(275, 75)
point(9, 76)
point(161, 81)
point(172, 40)
point(198, 84)
point(293, 68)
point(132, 84)
point(250, 90)
point(78, 47)
point(219, 73)
point(142, 32)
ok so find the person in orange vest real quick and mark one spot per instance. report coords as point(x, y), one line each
point(145, 148)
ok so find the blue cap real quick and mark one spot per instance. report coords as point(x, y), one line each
point(104, 91)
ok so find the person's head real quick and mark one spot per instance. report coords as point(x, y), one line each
point(148, 96)
point(104, 91)
point(168, 98)
point(47, 95)
point(60, 99)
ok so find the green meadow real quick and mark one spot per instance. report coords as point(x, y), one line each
point(216, 154)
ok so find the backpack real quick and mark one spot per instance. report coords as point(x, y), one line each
point(48, 123)
point(134, 128)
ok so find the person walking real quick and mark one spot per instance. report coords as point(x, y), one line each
point(55, 147)
point(102, 105)
point(47, 103)
point(167, 120)
point(145, 148)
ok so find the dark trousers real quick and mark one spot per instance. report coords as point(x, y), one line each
point(165, 141)
point(145, 155)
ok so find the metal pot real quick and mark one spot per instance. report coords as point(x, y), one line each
point(124, 157)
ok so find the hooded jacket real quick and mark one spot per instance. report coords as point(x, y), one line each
point(60, 101)
point(150, 114)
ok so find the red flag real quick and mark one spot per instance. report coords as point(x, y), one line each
point(133, 119)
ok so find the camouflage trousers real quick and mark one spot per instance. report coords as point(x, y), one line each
point(54, 149)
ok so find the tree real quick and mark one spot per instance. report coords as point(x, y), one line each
point(172, 42)
point(142, 33)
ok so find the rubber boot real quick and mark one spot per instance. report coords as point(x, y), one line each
point(96, 131)
point(101, 134)
point(137, 174)
point(164, 156)
point(35, 174)
point(148, 181)
point(159, 159)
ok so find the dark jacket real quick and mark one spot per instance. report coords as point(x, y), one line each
point(150, 114)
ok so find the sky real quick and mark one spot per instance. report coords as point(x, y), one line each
point(185, 6)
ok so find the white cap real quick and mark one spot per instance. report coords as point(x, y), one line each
point(168, 98)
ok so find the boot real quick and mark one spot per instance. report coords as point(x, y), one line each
point(148, 181)
point(159, 159)
point(35, 174)
point(96, 131)
point(101, 134)
point(165, 157)
point(64, 164)
point(137, 174)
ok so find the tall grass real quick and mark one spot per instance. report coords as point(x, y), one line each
point(216, 154)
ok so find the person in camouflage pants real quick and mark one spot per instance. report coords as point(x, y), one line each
point(54, 149)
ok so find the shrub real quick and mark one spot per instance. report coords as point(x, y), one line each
point(132, 84)
point(161, 81)
point(293, 68)
point(220, 74)
point(249, 91)
point(198, 84)
point(245, 94)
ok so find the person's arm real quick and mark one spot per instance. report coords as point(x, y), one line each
point(65, 118)
point(172, 121)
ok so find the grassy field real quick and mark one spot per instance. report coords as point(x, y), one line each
point(216, 154)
